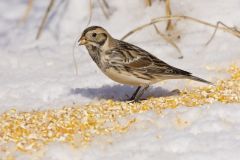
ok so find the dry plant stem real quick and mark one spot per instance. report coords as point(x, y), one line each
point(234, 32)
point(105, 4)
point(74, 57)
point(50, 5)
point(160, 19)
point(104, 9)
point(168, 40)
point(90, 12)
point(27, 11)
point(215, 31)
point(168, 14)
point(148, 2)
point(137, 29)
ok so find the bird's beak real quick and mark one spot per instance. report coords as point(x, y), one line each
point(82, 41)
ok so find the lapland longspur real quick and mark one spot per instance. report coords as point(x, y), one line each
point(128, 64)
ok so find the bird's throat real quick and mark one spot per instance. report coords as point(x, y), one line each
point(94, 52)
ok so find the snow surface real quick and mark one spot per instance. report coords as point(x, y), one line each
point(39, 74)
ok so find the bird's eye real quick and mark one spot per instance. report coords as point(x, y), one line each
point(94, 34)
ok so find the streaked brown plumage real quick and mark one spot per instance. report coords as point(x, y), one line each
point(128, 64)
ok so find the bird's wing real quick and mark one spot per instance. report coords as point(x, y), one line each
point(130, 55)
point(136, 58)
point(129, 58)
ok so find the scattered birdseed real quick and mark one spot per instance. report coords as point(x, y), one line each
point(79, 124)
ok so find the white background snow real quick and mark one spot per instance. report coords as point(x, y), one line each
point(39, 74)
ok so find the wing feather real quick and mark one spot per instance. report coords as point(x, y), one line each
point(134, 57)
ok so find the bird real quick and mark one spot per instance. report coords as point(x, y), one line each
point(128, 64)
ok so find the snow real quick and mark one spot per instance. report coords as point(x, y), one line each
point(209, 132)
point(38, 75)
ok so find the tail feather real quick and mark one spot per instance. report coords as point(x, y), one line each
point(199, 79)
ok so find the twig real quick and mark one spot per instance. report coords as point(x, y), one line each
point(215, 31)
point(103, 9)
point(160, 19)
point(74, 57)
point(90, 12)
point(60, 10)
point(169, 41)
point(50, 5)
point(137, 29)
point(105, 4)
point(235, 33)
point(27, 11)
point(168, 14)
point(148, 2)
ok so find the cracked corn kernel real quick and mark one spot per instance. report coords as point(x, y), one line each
point(77, 125)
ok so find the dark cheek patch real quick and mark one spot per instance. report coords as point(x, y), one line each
point(103, 38)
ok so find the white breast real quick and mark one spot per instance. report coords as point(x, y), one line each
point(125, 78)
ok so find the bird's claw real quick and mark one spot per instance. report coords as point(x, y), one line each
point(175, 92)
point(133, 101)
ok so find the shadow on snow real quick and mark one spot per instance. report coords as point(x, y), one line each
point(119, 92)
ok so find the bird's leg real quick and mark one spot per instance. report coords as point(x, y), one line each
point(135, 93)
point(136, 99)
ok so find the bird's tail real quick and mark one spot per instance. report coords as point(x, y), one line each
point(199, 79)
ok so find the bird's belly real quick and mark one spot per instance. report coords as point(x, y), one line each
point(126, 78)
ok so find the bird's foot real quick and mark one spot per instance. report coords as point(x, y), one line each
point(133, 100)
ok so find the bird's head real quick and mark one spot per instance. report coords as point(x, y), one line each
point(94, 35)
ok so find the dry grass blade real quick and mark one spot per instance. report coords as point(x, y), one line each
point(161, 19)
point(168, 14)
point(169, 41)
point(233, 32)
point(74, 57)
point(148, 2)
point(137, 29)
point(27, 11)
point(50, 5)
point(90, 12)
point(215, 31)
point(105, 4)
point(104, 9)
